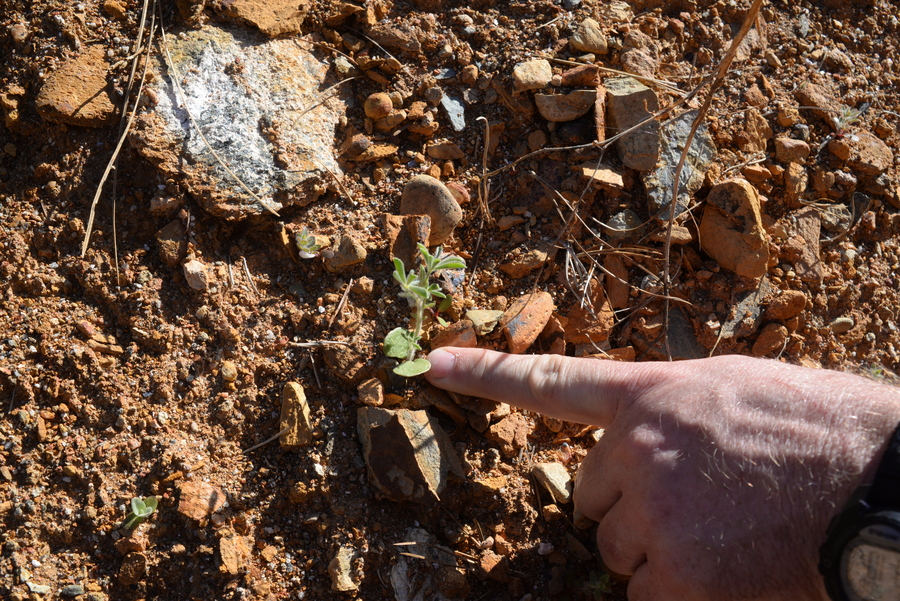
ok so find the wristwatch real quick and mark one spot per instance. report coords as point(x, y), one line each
point(860, 559)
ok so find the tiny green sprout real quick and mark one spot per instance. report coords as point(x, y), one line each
point(420, 293)
point(307, 247)
point(846, 117)
point(141, 509)
point(596, 585)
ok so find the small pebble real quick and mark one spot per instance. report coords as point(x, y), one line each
point(378, 106)
point(229, 371)
point(72, 590)
point(842, 325)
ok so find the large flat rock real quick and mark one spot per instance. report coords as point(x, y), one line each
point(408, 454)
point(265, 108)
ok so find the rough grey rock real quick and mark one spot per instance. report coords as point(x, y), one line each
point(658, 183)
point(455, 110)
point(747, 312)
point(260, 105)
point(625, 224)
point(411, 577)
point(425, 195)
point(556, 479)
point(408, 454)
point(629, 102)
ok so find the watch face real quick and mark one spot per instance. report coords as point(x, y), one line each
point(871, 565)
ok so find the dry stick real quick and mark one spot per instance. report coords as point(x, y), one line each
point(267, 441)
point(312, 362)
point(115, 186)
point(249, 277)
point(112, 162)
point(340, 305)
point(318, 343)
point(170, 65)
point(323, 99)
point(337, 180)
point(721, 72)
point(484, 185)
point(659, 82)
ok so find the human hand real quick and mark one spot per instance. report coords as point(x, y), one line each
point(716, 478)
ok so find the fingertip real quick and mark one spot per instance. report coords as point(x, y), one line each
point(442, 363)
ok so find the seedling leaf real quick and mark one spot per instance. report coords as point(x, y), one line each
point(397, 343)
point(416, 367)
point(141, 509)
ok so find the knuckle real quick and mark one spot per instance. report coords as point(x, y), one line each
point(612, 549)
point(547, 379)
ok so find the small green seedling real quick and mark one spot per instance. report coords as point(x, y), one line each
point(420, 293)
point(141, 509)
point(596, 585)
point(307, 247)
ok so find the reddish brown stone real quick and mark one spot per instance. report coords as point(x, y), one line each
point(581, 76)
point(525, 319)
point(788, 304)
point(371, 392)
point(772, 339)
point(199, 500)
point(494, 566)
point(869, 155)
point(461, 333)
point(403, 233)
point(272, 17)
point(511, 433)
point(234, 551)
point(77, 93)
point(592, 322)
point(133, 568)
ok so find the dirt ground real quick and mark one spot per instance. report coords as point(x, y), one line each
point(118, 379)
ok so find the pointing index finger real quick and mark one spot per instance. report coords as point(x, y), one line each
point(586, 391)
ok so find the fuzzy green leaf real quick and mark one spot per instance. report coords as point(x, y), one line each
point(445, 304)
point(137, 506)
point(451, 262)
point(408, 369)
point(150, 503)
point(398, 342)
point(419, 291)
point(132, 521)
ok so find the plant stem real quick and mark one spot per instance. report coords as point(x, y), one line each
point(420, 317)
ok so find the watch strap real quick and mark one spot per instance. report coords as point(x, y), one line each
point(885, 490)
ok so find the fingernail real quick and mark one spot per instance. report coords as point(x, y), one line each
point(442, 363)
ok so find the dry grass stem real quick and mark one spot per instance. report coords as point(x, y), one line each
point(340, 305)
point(268, 440)
point(721, 73)
point(249, 277)
point(111, 165)
point(668, 86)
